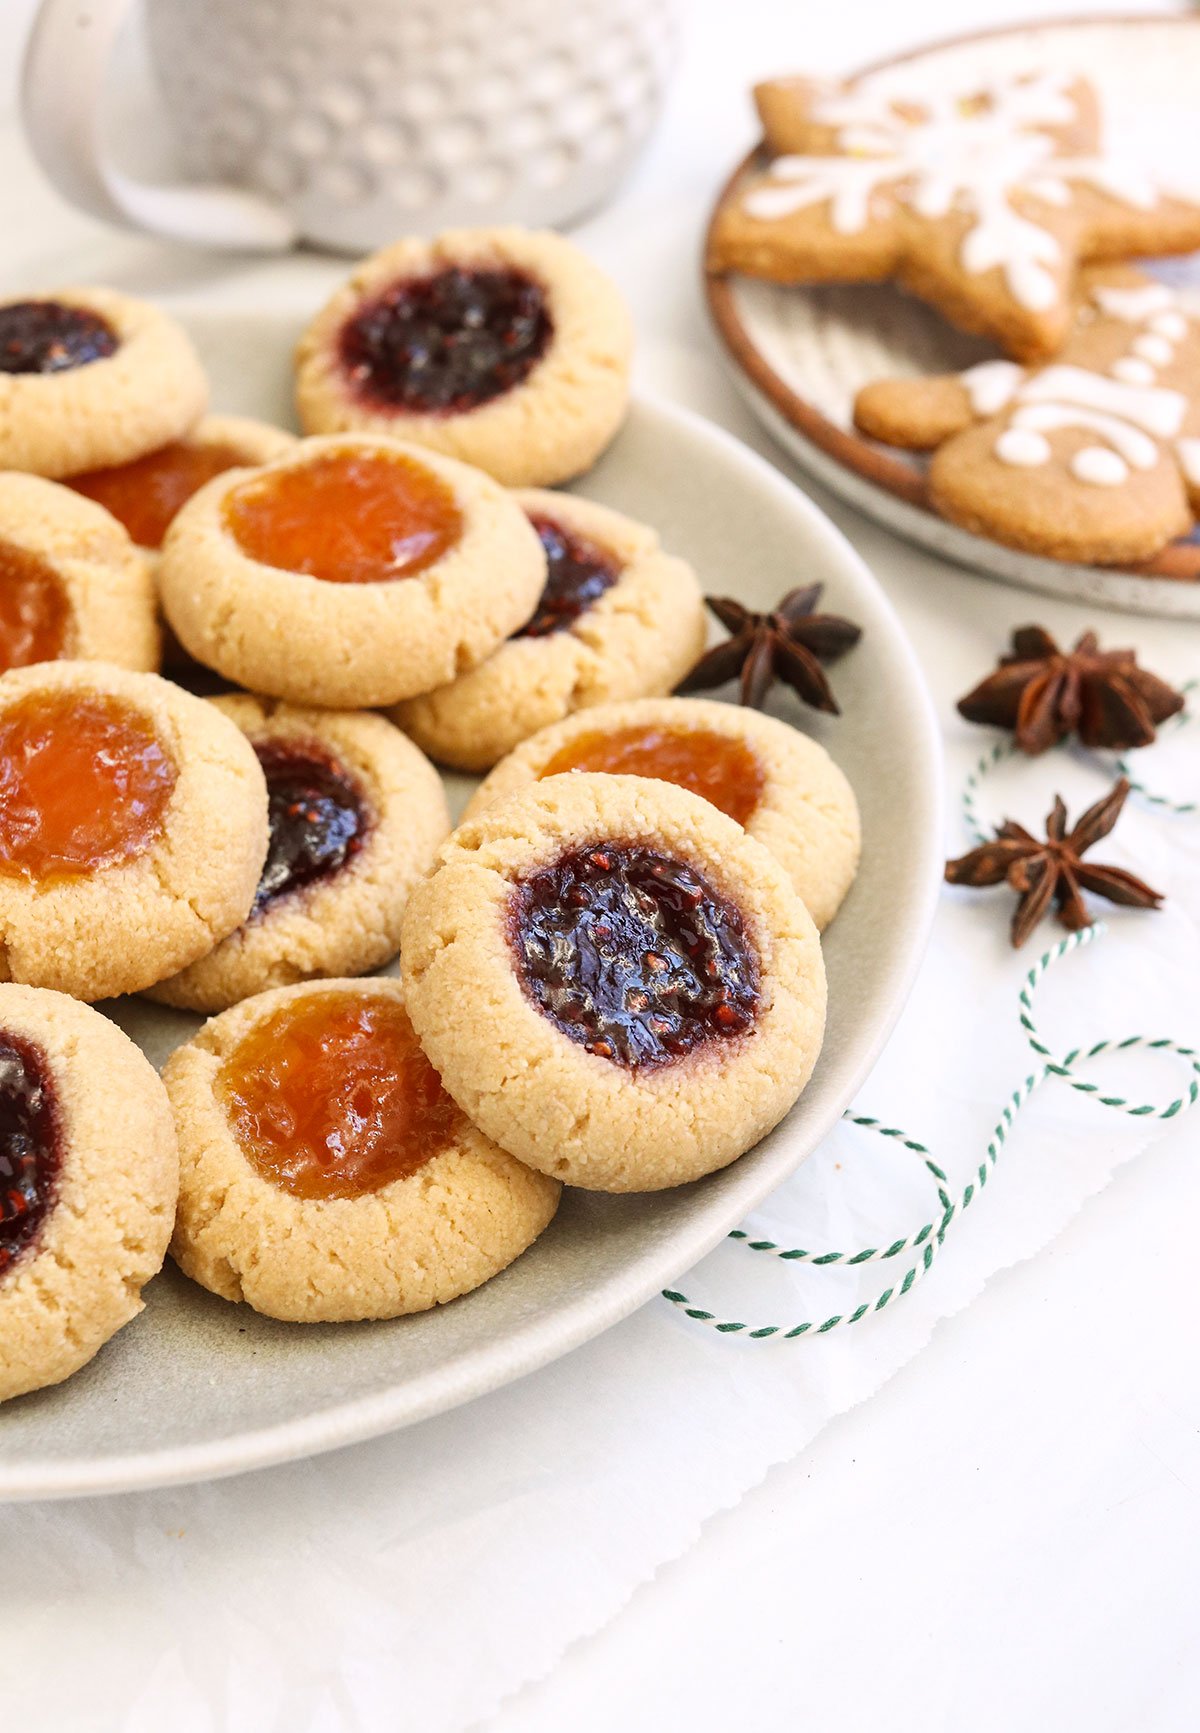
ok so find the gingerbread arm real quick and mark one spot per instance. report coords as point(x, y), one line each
point(916, 414)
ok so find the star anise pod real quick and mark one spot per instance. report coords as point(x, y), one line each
point(1053, 870)
point(789, 643)
point(1045, 693)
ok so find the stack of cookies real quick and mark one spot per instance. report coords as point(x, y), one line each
point(994, 200)
point(609, 975)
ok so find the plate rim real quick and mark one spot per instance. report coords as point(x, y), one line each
point(870, 464)
point(555, 1333)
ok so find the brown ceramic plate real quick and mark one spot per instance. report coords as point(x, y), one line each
point(800, 354)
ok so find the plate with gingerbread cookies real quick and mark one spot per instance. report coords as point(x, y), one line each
point(464, 837)
point(962, 287)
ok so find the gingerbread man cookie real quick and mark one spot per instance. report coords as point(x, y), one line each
point(980, 198)
point(1095, 457)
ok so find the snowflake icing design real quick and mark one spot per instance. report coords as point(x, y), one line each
point(945, 152)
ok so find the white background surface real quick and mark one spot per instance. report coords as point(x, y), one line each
point(1005, 1534)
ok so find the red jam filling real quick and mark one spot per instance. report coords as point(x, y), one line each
point(349, 517)
point(578, 573)
point(446, 343)
point(331, 1097)
point(146, 494)
point(30, 1145)
point(84, 784)
point(35, 615)
point(47, 337)
point(718, 767)
point(318, 817)
point(633, 954)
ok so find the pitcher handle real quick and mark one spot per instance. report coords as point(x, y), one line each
point(62, 82)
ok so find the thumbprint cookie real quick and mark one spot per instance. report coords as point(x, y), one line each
point(356, 816)
point(72, 584)
point(506, 347)
point(780, 785)
point(90, 377)
point(89, 1172)
point(352, 571)
point(133, 828)
point(614, 981)
point(326, 1175)
point(617, 618)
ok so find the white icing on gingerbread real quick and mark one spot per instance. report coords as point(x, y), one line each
point(991, 385)
point(1125, 407)
point(1136, 447)
point(1154, 408)
point(1099, 467)
point(955, 150)
point(1023, 448)
point(1156, 350)
point(1132, 371)
point(1133, 305)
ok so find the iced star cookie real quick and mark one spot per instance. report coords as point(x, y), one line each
point(133, 827)
point(356, 816)
point(71, 582)
point(777, 783)
point(146, 494)
point(1094, 457)
point(91, 377)
point(507, 348)
point(89, 1172)
point(352, 571)
point(618, 618)
point(326, 1174)
point(982, 198)
point(614, 981)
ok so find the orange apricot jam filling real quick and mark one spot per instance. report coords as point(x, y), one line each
point(84, 784)
point(716, 766)
point(349, 517)
point(35, 615)
point(146, 494)
point(330, 1096)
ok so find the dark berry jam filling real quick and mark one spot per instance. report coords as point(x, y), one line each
point(30, 1146)
point(444, 344)
point(318, 817)
point(46, 337)
point(578, 573)
point(633, 954)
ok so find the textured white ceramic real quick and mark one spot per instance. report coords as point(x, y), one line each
point(824, 343)
point(353, 121)
point(197, 1387)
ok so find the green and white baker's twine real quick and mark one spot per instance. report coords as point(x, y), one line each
point(924, 1245)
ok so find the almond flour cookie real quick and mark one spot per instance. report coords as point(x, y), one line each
point(614, 981)
point(356, 817)
point(777, 783)
point(618, 618)
point(1095, 457)
point(507, 348)
point(71, 582)
point(133, 827)
point(352, 571)
point(146, 494)
point(89, 1172)
point(981, 198)
point(326, 1174)
point(91, 377)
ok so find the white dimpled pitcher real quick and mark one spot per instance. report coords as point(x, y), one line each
point(347, 122)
